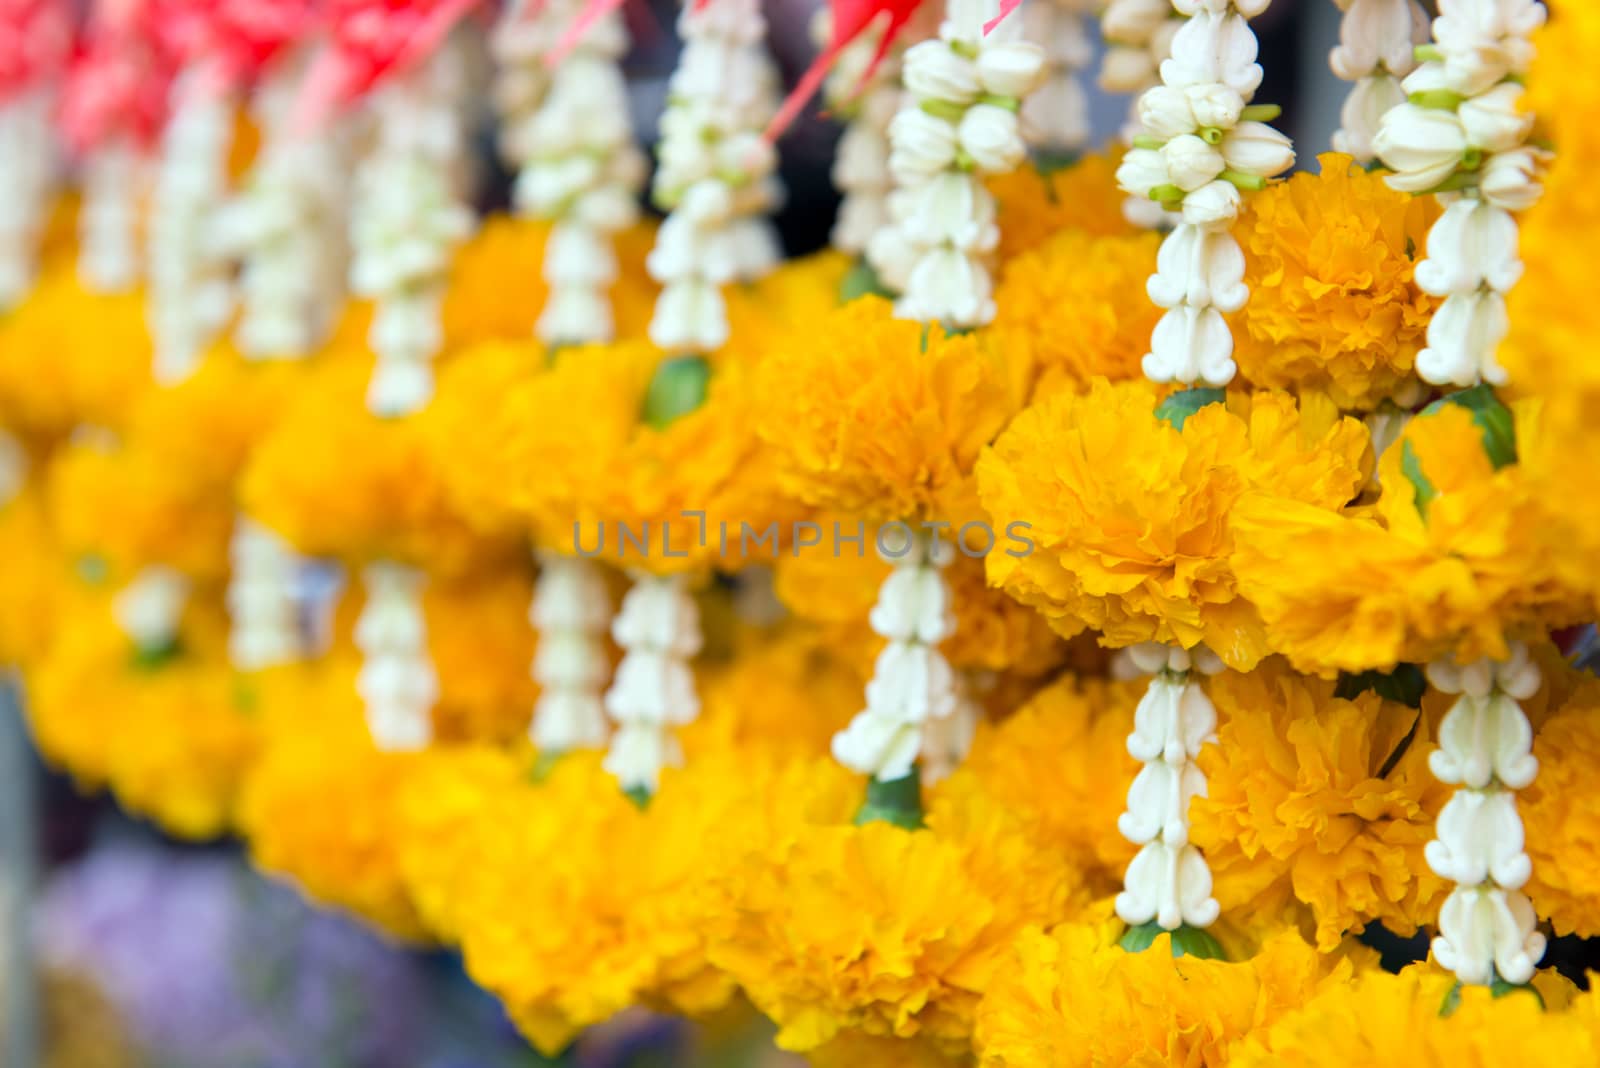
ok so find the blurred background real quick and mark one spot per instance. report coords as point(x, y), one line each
point(121, 949)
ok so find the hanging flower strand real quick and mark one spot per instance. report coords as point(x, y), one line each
point(1056, 114)
point(1203, 143)
point(1376, 50)
point(581, 169)
point(959, 122)
point(1487, 926)
point(1463, 134)
point(570, 611)
point(406, 215)
point(714, 174)
point(35, 38)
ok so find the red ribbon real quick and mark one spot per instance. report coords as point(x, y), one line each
point(851, 18)
point(35, 42)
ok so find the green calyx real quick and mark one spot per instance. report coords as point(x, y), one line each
point(678, 387)
point(1260, 113)
point(1495, 424)
point(1145, 141)
point(1499, 988)
point(943, 109)
point(1404, 685)
point(544, 765)
point(1441, 99)
point(1179, 406)
point(91, 569)
point(861, 281)
point(156, 655)
point(1211, 135)
point(898, 801)
point(1250, 183)
point(639, 794)
point(1186, 941)
point(995, 100)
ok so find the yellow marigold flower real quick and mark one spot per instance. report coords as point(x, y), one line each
point(1077, 305)
point(320, 805)
point(1381, 1020)
point(1561, 814)
point(35, 573)
point(480, 306)
point(879, 931)
point(1329, 260)
point(183, 736)
point(1131, 519)
point(1035, 205)
point(787, 692)
point(1061, 764)
point(637, 891)
point(1358, 590)
point(446, 793)
point(127, 508)
point(1074, 997)
point(993, 632)
point(764, 313)
point(205, 426)
point(69, 357)
point(1318, 808)
point(482, 647)
point(891, 417)
point(336, 480)
point(468, 426)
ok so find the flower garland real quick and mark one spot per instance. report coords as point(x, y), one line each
point(912, 686)
point(1487, 927)
point(34, 41)
point(658, 629)
point(405, 220)
point(1055, 116)
point(570, 611)
point(714, 173)
point(261, 598)
point(579, 168)
point(1376, 39)
point(959, 122)
point(397, 681)
point(869, 96)
point(285, 226)
point(1168, 884)
point(1462, 134)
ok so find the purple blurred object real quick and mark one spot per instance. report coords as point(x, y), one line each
point(211, 966)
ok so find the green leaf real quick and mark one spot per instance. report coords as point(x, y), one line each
point(1186, 941)
point(678, 387)
point(1179, 406)
point(1405, 684)
point(898, 802)
point(639, 794)
point(1494, 421)
point(157, 656)
point(1500, 988)
point(543, 765)
point(861, 281)
point(1411, 467)
point(1049, 161)
point(91, 569)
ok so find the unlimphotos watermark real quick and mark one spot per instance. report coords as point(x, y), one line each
point(743, 540)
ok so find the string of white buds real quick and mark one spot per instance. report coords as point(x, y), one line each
point(262, 610)
point(714, 173)
point(913, 687)
point(1487, 926)
point(115, 177)
point(1055, 116)
point(654, 689)
point(1168, 881)
point(861, 163)
point(1138, 36)
point(150, 607)
point(1202, 143)
point(1462, 133)
point(959, 122)
point(579, 167)
point(28, 145)
point(190, 295)
point(406, 219)
point(570, 611)
point(397, 681)
point(285, 226)
point(1377, 40)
